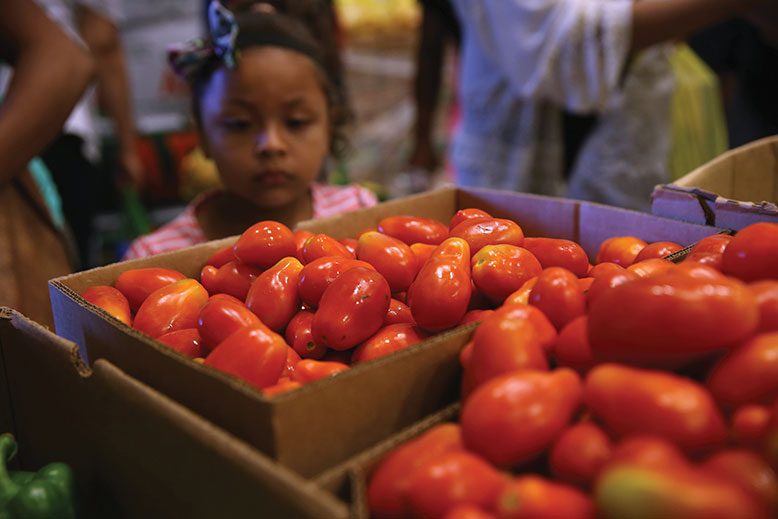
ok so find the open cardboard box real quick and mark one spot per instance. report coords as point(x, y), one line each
point(322, 424)
point(732, 191)
point(135, 453)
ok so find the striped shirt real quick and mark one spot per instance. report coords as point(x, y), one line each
point(184, 230)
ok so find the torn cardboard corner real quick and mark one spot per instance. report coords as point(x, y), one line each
point(318, 426)
point(135, 453)
point(735, 190)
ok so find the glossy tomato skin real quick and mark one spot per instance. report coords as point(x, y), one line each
point(256, 355)
point(323, 246)
point(422, 251)
point(479, 233)
point(579, 453)
point(350, 244)
point(467, 214)
point(748, 374)
point(317, 275)
point(310, 370)
point(451, 479)
point(233, 278)
point(264, 244)
point(500, 270)
point(606, 281)
point(398, 313)
point(414, 229)
point(352, 309)
point(138, 284)
point(658, 249)
point(440, 294)
point(749, 471)
point(558, 294)
point(631, 401)
point(650, 267)
point(221, 257)
point(716, 243)
point(750, 424)
point(300, 337)
point(186, 342)
point(514, 418)
point(672, 318)
point(111, 300)
point(521, 296)
point(621, 250)
point(284, 385)
point(170, 308)
point(274, 295)
point(388, 340)
point(390, 483)
point(752, 255)
point(530, 496)
point(554, 252)
point(222, 316)
point(391, 257)
point(766, 293)
point(475, 316)
point(572, 349)
point(300, 237)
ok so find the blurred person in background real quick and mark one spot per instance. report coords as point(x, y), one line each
point(50, 72)
point(523, 62)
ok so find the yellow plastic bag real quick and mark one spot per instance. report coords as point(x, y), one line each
point(699, 130)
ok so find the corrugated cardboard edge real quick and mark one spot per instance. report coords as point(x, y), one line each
point(46, 382)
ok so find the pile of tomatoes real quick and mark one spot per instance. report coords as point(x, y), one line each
point(634, 388)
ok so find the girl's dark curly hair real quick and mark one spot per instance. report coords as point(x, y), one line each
point(284, 28)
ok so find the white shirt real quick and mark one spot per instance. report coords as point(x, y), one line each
point(524, 60)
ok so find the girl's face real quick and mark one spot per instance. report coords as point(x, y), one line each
point(266, 125)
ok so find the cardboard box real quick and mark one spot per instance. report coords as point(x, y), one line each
point(135, 452)
point(732, 191)
point(322, 424)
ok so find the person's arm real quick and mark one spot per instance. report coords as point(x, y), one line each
point(51, 72)
point(656, 21)
point(102, 37)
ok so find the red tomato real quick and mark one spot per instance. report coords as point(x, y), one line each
point(515, 417)
point(521, 296)
point(650, 267)
point(186, 342)
point(467, 214)
point(479, 233)
point(264, 244)
point(110, 300)
point(440, 295)
point(752, 255)
point(309, 370)
point(658, 249)
point(553, 252)
point(284, 385)
point(501, 345)
point(766, 293)
point(533, 497)
point(233, 278)
point(475, 316)
point(422, 251)
point(292, 358)
point(579, 453)
point(222, 316)
point(300, 337)
point(392, 258)
point(500, 270)
point(414, 229)
point(351, 309)
point(631, 401)
point(398, 313)
point(170, 308)
point(748, 374)
point(300, 237)
point(621, 250)
point(467, 512)
point(350, 244)
point(255, 355)
point(716, 243)
point(585, 284)
point(138, 284)
point(451, 479)
point(647, 450)
point(546, 333)
point(323, 246)
point(712, 259)
point(750, 424)
point(317, 275)
point(572, 349)
point(749, 471)
point(558, 295)
point(388, 340)
point(387, 491)
point(604, 268)
point(274, 295)
point(221, 257)
point(670, 319)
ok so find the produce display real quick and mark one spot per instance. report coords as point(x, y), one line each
point(649, 392)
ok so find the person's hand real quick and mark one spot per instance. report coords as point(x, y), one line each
point(131, 168)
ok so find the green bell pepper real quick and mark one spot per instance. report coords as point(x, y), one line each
point(49, 493)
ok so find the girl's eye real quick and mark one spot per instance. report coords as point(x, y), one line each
point(236, 124)
point(297, 123)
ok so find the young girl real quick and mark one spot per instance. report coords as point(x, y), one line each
point(268, 117)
